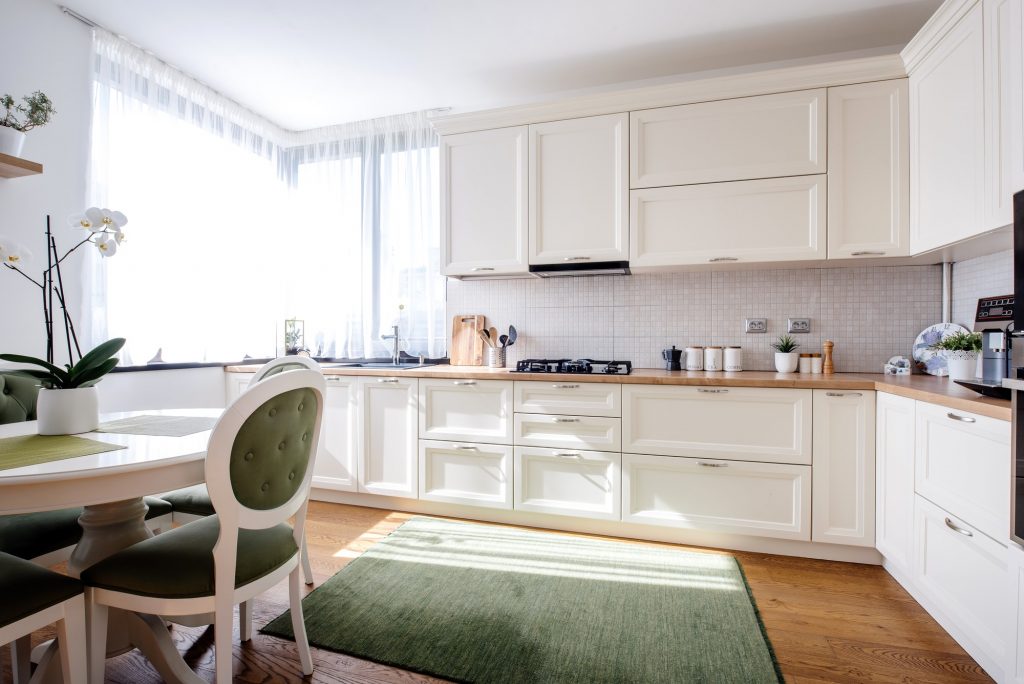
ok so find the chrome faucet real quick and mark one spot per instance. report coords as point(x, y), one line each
point(396, 355)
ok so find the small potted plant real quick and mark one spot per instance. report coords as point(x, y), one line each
point(36, 110)
point(786, 358)
point(960, 349)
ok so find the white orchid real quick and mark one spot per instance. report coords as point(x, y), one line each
point(12, 254)
point(83, 221)
point(107, 244)
point(105, 218)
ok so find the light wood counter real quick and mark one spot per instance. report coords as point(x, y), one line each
point(942, 391)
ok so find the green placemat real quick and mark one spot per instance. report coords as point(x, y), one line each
point(17, 452)
point(159, 426)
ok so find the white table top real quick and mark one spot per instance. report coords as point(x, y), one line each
point(149, 465)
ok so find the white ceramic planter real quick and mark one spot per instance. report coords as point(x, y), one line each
point(68, 411)
point(962, 365)
point(786, 363)
point(11, 141)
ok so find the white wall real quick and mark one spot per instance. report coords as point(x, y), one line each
point(162, 389)
point(43, 49)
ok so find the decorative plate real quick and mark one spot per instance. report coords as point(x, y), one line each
point(928, 360)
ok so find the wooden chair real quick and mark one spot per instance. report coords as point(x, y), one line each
point(259, 465)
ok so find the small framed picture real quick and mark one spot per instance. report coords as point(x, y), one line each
point(294, 336)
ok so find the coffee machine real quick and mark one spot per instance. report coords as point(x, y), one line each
point(994, 320)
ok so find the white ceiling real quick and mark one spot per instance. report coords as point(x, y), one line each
point(310, 63)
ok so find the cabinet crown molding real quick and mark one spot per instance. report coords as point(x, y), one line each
point(937, 26)
point(746, 84)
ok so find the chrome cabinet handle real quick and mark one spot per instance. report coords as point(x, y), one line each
point(843, 394)
point(579, 258)
point(867, 252)
point(464, 447)
point(482, 268)
point(709, 464)
point(391, 381)
point(951, 525)
point(567, 454)
point(567, 420)
point(715, 259)
point(334, 381)
point(712, 391)
point(962, 419)
point(566, 386)
point(465, 383)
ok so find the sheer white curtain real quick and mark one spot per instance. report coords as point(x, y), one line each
point(236, 225)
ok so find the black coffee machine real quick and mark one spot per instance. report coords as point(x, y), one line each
point(994, 320)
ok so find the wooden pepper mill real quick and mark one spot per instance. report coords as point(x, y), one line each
point(827, 367)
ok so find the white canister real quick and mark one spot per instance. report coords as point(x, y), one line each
point(712, 358)
point(805, 363)
point(816, 363)
point(694, 358)
point(733, 359)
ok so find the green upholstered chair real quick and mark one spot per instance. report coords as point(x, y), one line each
point(259, 465)
point(17, 398)
point(34, 597)
point(192, 503)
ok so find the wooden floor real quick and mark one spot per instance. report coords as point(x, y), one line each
point(828, 622)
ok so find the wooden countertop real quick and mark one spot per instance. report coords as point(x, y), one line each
point(942, 391)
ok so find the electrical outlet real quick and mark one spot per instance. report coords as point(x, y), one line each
point(799, 325)
point(755, 325)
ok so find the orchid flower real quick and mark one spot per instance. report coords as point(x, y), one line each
point(83, 221)
point(105, 218)
point(12, 254)
point(107, 244)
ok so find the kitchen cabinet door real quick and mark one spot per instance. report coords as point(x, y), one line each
point(235, 385)
point(570, 398)
point(1004, 108)
point(596, 433)
point(766, 136)
point(466, 410)
point(777, 219)
point(584, 484)
point(388, 443)
point(335, 466)
point(947, 138)
point(579, 194)
point(894, 480)
point(868, 175)
point(843, 485)
point(471, 474)
point(484, 202)
point(1015, 591)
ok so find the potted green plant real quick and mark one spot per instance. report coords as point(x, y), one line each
point(961, 350)
point(786, 358)
point(68, 403)
point(34, 110)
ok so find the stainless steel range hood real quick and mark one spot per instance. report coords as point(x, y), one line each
point(576, 269)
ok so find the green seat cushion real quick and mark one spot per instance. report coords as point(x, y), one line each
point(192, 500)
point(30, 535)
point(179, 563)
point(27, 588)
point(17, 398)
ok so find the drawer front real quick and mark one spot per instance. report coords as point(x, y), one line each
point(575, 432)
point(749, 137)
point(742, 423)
point(466, 410)
point(763, 499)
point(569, 398)
point(584, 484)
point(963, 465)
point(965, 574)
point(473, 474)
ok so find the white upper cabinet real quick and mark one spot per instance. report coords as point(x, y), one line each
point(767, 136)
point(1013, 48)
point(1004, 108)
point(775, 219)
point(579, 201)
point(484, 202)
point(868, 176)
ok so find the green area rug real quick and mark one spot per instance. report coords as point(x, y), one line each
point(480, 603)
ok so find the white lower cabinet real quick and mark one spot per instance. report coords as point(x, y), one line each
point(569, 398)
point(962, 573)
point(575, 432)
point(388, 428)
point(584, 484)
point(466, 410)
point(335, 466)
point(472, 474)
point(894, 489)
point(1015, 628)
point(844, 467)
point(762, 499)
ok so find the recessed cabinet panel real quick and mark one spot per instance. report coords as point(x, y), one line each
point(744, 138)
point(578, 432)
point(473, 474)
point(894, 490)
point(1004, 82)
point(567, 482)
point(742, 423)
point(778, 219)
point(569, 397)
point(388, 421)
point(762, 499)
point(466, 410)
point(335, 466)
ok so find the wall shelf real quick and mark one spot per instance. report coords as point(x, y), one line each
point(14, 167)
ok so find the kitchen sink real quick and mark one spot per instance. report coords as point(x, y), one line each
point(405, 365)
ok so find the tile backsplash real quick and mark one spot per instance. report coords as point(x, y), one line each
point(986, 276)
point(870, 313)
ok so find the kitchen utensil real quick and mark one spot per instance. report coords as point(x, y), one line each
point(467, 348)
point(827, 367)
point(694, 358)
point(672, 357)
point(495, 357)
point(503, 341)
point(492, 332)
point(927, 359)
point(513, 334)
point(485, 337)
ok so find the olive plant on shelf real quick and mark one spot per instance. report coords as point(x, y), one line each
point(786, 358)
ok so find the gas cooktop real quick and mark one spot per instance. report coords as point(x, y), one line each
point(569, 366)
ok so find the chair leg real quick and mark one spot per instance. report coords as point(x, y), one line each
point(96, 614)
point(245, 620)
point(307, 568)
point(222, 643)
point(21, 659)
point(71, 637)
point(298, 622)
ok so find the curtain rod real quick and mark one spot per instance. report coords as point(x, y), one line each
point(75, 15)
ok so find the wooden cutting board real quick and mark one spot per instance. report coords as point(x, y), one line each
point(467, 348)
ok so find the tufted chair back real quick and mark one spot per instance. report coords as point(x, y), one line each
point(282, 364)
point(17, 398)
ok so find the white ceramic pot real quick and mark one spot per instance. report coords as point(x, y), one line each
point(11, 141)
point(962, 365)
point(786, 363)
point(68, 411)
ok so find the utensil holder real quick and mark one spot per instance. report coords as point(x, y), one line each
point(494, 357)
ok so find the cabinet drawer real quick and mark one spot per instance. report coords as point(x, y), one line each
point(466, 410)
point(567, 482)
point(575, 432)
point(569, 398)
point(474, 474)
point(965, 574)
point(749, 137)
point(763, 499)
point(743, 423)
point(963, 465)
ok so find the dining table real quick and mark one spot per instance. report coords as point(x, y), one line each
point(110, 486)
